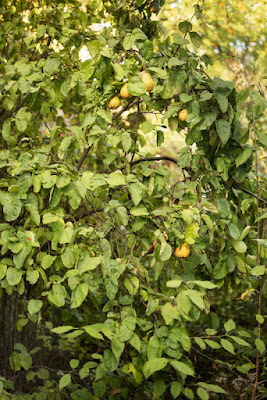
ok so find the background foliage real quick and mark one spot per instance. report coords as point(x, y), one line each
point(94, 304)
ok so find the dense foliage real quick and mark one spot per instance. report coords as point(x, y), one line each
point(233, 34)
point(94, 302)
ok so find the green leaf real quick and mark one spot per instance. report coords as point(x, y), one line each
point(13, 276)
point(161, 73)
point(208, 118)
point(185, 26)
point(165, 251)
point(34, 306)
point(47, 261)
point(202, 394)
point(195, 297)
point(32, 276)
point(176, 389)
point(57, 295)
point(178, 39)
point(262, 138)
point(223, 102)
point(223, 129)
point(139, 34)
point(234, 231)
point(191, 233)
point(147, 127)
point(105, 115)
point(119, 72)
point(205, 95)
point(227, 346)
point(128, 41)
point(154, 349)
point(204, 284)
point(185, 98)
point(110, 360)
point(3, 269)
point(169, 313)
point(222, 87)
point(88, 263)
point(223, 207)
point(174, 61)
point(139, 210)
point(126, 141)
point(196, 39)
point(51, 65)
point(154, 365)
point(111, 285)
point(229, 325)
point(116, 179)
point(245, 232)
point(117, 347)
point(259, 270)
point(126, 329)
point(220, 270)
point(211, 388)
point(66, 142)
point(136, 193)
point(12, 209)
point(182, 336)
point(66, 235)
point(239, 246)
point(100, 387)
point(135, 342)
point(188, 393)
point(93, 332)
point(94, 47)
point(175, 283)
point(79, 295)
point(182, 367)
point(33, 210)
point(62, 329)
point(240, 341)
point(136, 86)
point(159, 387)
point(87, 70)
point(242, 95)
point(68, 257)
point(260, 345)
point(200, 343)
point(64, 381)
point(212, 344)
point(244, 156)
point(259, 318)
point(262, 242)
point(132, 285)
point(208, 221)
point(74, 363)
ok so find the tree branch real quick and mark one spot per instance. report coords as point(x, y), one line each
point(173, 160)
point(162, 158)
point(128, 105)
point(252, 194)
point(85, 152)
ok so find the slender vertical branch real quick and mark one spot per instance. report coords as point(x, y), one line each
point(80, 163)
point(260, 279)
point(135, 131)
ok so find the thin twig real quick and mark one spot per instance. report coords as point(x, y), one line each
point(162, 158)
point(135, 130)
point(171, 159)
point(85, 152)
point(252, 194)
point(260, 279)
point(186, 31)
point(128, 105)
